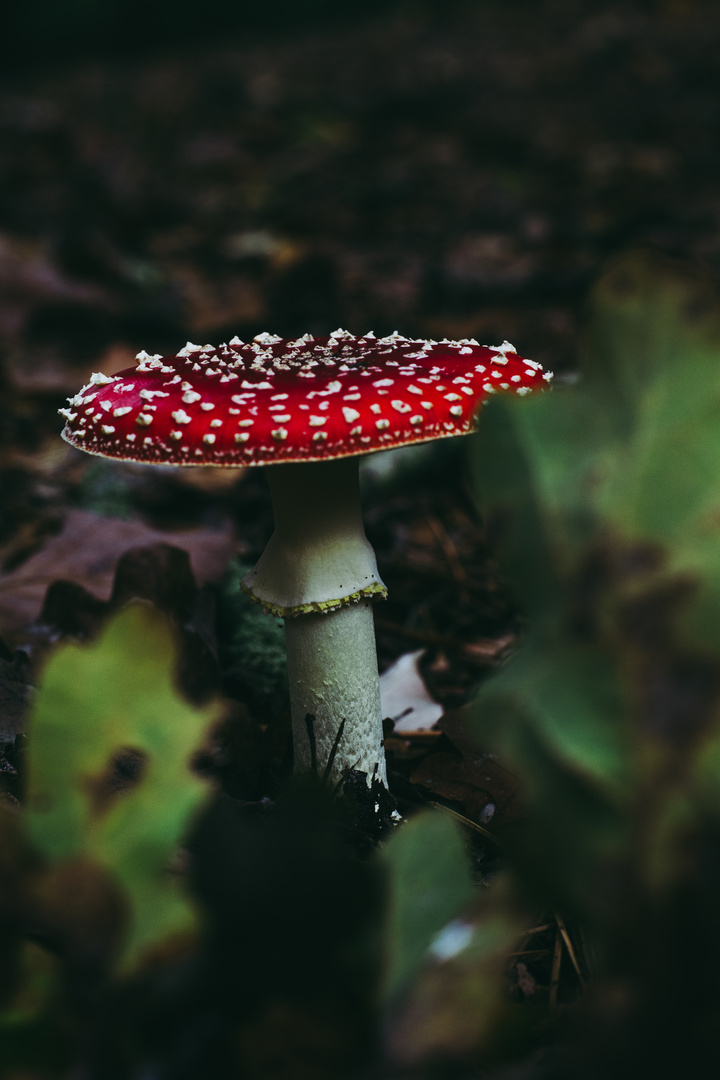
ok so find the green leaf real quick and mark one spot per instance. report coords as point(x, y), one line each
point(429, 885)
point(94, 701)
point(575, 703)
point(606, 503)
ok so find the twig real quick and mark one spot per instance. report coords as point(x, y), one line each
point(310, 728)
point(571, 951)
point(333, 752)
point(466, 821)
point(555, 974)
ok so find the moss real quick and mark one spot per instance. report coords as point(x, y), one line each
point(253, 646)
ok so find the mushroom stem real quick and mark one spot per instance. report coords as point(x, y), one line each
point(319, 573)
point(333, 676)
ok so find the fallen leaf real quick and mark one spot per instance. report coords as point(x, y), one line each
point(404, 697)
point(485, 790)
point(86, 552)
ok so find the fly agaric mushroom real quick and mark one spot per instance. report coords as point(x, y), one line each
point(310, 408)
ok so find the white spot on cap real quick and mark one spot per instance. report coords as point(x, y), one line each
point(267, 339)
point(188, 349)
point(191, 396)
point(98, 379)
point(401, 406)
point(235, 341)
point(122, 410)
point(417, 419)
point(317, 421)
point(130, 438)
point(382, 424)
point(414, 389)
point(356, 430)
point(144, 419)
point(243, 436)
point(176, 435)
point(319, 436)
point(210, 439)
point(282, 419)
point(180, 416)
point(245, 423)
point(456, 410)
point(279, 434)
point(107, 429)
point(350, 415)
point(216, 423)
point(383, 382)
point(148, 395)
point(206, 405)
point(375, 409)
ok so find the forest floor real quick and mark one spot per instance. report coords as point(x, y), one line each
point(459, 176)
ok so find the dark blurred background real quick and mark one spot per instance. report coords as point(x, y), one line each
point(177, 171)
point(172, 170)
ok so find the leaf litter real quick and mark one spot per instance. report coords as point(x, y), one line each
point(518, 268)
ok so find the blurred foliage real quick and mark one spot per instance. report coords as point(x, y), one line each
point(430, 884)
point(605, 502)
point(446, 945)
point(94, 703)
point(86, 876)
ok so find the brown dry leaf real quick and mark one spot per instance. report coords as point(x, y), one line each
point(486, 791)
point(86, 552)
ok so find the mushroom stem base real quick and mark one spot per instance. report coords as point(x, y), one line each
point(333, 676)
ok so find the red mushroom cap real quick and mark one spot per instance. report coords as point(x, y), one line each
point(311, 399)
